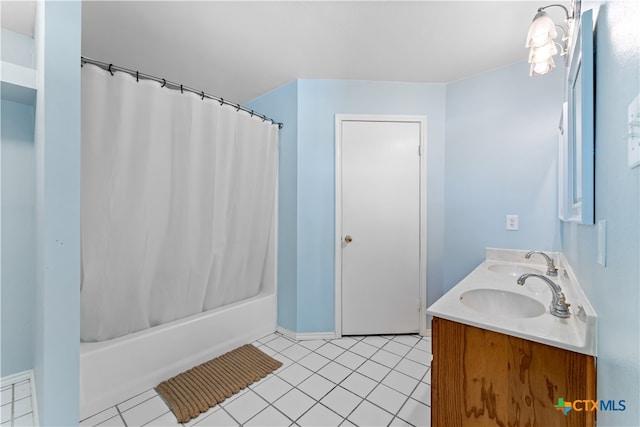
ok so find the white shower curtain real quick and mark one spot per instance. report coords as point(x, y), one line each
point(178, 198)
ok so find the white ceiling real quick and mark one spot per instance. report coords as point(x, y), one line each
point(242, 49)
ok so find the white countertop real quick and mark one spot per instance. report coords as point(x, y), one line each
point(576, 333)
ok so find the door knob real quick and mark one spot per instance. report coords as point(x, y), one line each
point(348, 238)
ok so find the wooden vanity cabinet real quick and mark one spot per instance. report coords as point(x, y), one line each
point(484, 378)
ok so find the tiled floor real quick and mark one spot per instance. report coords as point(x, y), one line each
point(16, 407)
point(361, 381)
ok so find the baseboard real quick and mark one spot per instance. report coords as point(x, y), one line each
point(308, 336)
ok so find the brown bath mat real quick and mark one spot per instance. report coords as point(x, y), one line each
point(198, 389)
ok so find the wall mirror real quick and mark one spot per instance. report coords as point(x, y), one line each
point(577, 148)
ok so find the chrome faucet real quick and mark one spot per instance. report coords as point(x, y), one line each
point(558, 307)
point(551, 267)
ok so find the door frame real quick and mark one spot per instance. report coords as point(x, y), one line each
point(422, 120)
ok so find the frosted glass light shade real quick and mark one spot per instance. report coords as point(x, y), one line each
point(541, 31)
point(540, 68)
point(543, 53)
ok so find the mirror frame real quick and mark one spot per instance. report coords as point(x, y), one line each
point(577, 143)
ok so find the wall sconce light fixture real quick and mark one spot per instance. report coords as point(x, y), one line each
point(541, 40)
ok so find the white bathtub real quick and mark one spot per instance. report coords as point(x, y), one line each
point(113, 370)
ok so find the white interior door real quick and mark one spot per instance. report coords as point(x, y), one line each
point(380, 226)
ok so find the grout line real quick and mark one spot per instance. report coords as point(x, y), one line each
point(344, 350)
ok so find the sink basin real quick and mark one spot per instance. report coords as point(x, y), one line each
point(513, 269)
point(502, 303)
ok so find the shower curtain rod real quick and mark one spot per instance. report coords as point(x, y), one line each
point(165, 83)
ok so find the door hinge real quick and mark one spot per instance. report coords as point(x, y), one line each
point(419, 150)
point(419, 304)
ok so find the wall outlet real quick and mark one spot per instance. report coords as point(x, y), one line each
point(512, 222)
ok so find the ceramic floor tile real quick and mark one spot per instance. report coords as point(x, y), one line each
point(295, 374)
point(319, 415)
point(409, 340)
point(313, 361)
point(268, 338)
point(344, 342)
point(24, 421)
point(136, 400)
point(358, 384)
point(387, 398)
point(316, 386)
point(295, 352)
point(267, 350)
point(422, 394)
point(367, 414)
point(5, 413)
point(350, 360)
point(341, 401)
point(286, 362)
point(312, 344)
point(269, 417)
point(294, 403)
point(386, 358)
point(279, 344)
point(400, 382)
point(245, 407)
point(219, 418)
point(411, 368)
point(424, 345)
point(167, 419)
point(22, 390)
point(416, 413)
point(335, 372)
point(272, 389)
point(145, 412)
point(397, 348)
point(373, 370)
point(22, 407)
point(427, 377)
point(117, 421)
point(330, 351)
point(397, 422)
point(100, 417)
point(419, 356)
point(375, 340)
point(363, 349)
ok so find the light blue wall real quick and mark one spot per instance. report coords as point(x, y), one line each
point(501, 158)
point(282, 106)
point(311, 200)
point(614, 290)
point(57, 349)
point(319, 101)
point(18, 237)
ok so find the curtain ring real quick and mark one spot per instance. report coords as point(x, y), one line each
point(164, 83)
point(181, 91)
point(264, 119)
point(110, 65)
point(251, 113)
point(280, 125)
point(202, 95)
point(221, 101)
point(237, 107)
point(137, 77)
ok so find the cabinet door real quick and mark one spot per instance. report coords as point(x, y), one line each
point(483, 378)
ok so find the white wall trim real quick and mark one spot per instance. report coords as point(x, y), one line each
point(308, 336)
point(422, 120)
